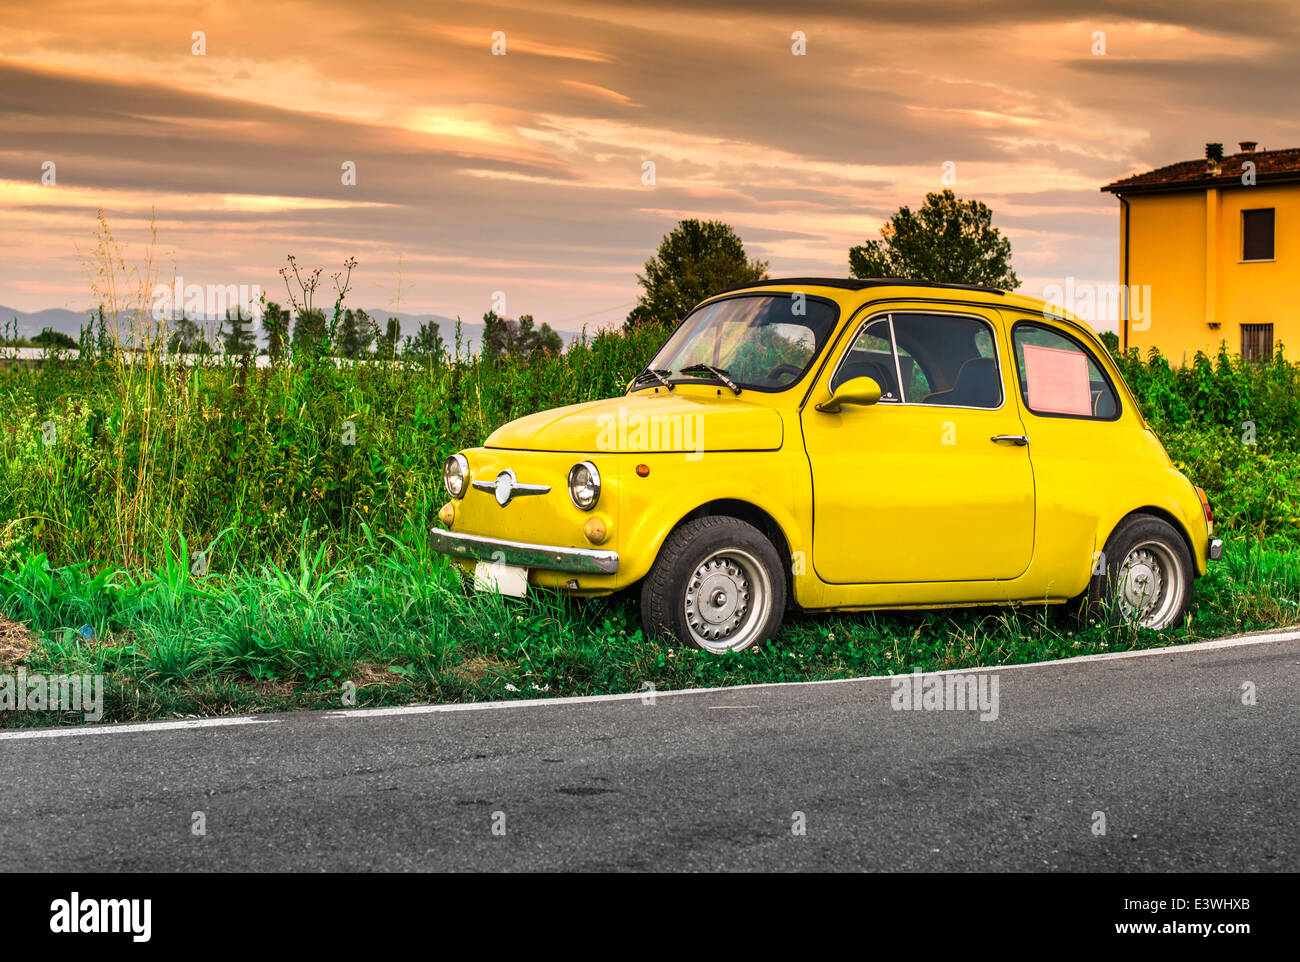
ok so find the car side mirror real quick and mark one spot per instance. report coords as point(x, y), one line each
point(857, 390)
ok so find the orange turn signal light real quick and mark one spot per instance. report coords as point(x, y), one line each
point(1205, 506)
point(595, 530)
point(643, 470)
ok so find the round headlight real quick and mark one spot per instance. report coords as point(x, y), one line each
point(455, 475)
point(584, 485)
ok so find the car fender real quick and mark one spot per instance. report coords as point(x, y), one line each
point(1165, 500)
point(775, 485)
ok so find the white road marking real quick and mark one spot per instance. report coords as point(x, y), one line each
point(161, 726)
point(1238, 641)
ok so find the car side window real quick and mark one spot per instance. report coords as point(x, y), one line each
point(953, 360)
point(941, 359)
point(915, 383)
point(1059, 377)
point(871, 355)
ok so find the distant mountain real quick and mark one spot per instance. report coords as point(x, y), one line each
point(56, 318)
point(71, 323)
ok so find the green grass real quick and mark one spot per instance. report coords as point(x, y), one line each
point(207, 539)
point(102, 459)
point(396, 622)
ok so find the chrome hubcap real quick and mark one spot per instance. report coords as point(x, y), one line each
point(1150, 586)
point(728, 600)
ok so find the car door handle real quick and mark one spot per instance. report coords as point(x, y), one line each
point(1019, 440)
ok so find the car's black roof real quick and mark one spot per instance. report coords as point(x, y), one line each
point(861, 283)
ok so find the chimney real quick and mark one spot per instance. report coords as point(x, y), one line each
point(1213, 157)
point(1247, 146)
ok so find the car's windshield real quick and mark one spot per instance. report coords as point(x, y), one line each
point(761, 341)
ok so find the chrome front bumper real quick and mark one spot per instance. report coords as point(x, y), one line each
point(548, 557)
point(1216, 549)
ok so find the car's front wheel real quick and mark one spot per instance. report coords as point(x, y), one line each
point(718, 584)
point(1144, 576)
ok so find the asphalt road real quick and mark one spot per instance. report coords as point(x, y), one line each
point(1188, 778)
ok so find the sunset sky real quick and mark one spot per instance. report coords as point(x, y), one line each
point(523, 173)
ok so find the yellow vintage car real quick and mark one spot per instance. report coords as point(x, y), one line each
point(835, 445)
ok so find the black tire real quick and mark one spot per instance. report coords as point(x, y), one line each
point(1159, 591)
point(718, 585)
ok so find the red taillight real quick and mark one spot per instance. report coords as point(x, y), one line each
point(1205, 506)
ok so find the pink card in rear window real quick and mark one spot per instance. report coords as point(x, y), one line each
point(1057, 380)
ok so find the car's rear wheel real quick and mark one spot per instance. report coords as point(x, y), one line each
point(1147, 576)
point(718, 584)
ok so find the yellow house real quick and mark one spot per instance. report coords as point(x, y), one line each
point(1210, 252)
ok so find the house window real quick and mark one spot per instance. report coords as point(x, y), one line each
point(1257, 234)
point(1256, 342)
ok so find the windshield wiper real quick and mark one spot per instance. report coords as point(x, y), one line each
point(719, 372)
point(649, 373)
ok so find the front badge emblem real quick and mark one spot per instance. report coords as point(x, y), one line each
point(505, 487)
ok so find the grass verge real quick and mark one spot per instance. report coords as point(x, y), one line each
point(394, 622)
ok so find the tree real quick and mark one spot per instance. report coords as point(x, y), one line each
point(696, 260)
point(239, 340)
point(496, 337)
point(275, 321)
point(53, 340)
point(387, 346)
point(309, 330)
point(506, 337)
point(537, 340)
point(427, 343)
point(948, 240)
point(98, 334)
point(186, 336)
point(356, 333)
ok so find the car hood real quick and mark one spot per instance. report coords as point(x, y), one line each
point(647, 422)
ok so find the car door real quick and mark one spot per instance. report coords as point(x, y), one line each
point(933, 483)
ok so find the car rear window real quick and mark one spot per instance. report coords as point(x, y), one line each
point(1059, 377)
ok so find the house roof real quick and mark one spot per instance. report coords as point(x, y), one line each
point(1270, 165)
